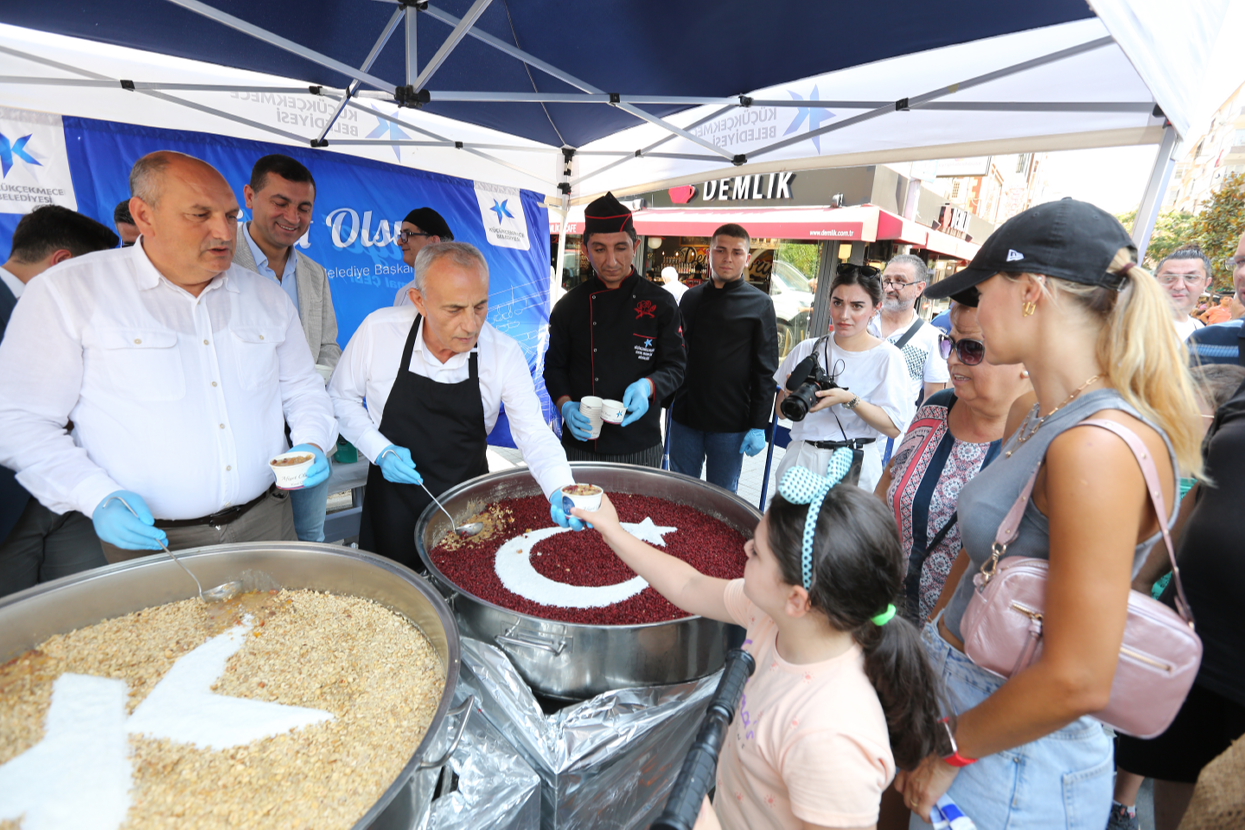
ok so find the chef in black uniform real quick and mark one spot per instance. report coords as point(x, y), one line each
point(419, 388)
point(616, 336)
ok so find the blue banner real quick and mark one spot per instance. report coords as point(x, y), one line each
point(359, 208)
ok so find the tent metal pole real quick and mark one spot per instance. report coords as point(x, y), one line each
point(154, 94)
point(566, 218)
point(651, 147)
point(917, 101)
point(460, 31)
point(381, 41)
point(412, 43)
point(281, 43)
point(1156, 189)
point(566, 77)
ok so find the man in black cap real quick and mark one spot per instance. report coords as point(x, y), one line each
point(615, 336)
point(421, 227)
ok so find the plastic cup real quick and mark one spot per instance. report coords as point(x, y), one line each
point(291, 468)
point(591, 405)
point(613, 412)
point(326, 372)
point(583, 496)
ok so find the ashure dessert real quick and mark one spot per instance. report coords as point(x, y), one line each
point(292, 460)
point(582, 490)
point(276, 709)
point(523, 563)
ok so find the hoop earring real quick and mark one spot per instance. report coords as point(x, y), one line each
point(1028, 308)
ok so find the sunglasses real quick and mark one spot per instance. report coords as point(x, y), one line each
point(865, 270)
point(970, 352)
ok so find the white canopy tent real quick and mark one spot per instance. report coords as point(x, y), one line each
point(1141, 72)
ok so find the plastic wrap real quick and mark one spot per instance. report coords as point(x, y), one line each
point(606, 763)
point(496, 789)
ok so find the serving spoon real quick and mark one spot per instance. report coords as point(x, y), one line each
point(464, 531)
point(221, 593)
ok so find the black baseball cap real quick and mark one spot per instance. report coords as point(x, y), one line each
point(1071, 240)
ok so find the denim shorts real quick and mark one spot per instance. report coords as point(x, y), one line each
point(1062, 780)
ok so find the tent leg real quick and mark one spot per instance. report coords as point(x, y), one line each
point(1156, 189)
point(557, 271)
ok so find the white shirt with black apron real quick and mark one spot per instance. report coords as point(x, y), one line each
point(442, 424)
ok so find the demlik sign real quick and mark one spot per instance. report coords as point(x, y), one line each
point(741, 188)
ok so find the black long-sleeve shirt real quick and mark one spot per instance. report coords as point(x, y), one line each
point(602, 341)
point(732, 354)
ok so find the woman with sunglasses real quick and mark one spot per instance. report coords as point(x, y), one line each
point(872, 398)
point(1057, 289)
point(955, 433)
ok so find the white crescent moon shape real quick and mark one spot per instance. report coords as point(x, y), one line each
point(514, 567)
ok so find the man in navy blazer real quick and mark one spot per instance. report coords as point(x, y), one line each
point(37, 545)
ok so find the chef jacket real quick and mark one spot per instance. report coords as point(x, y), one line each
point(732, 354)
point(365, 375)
point(601, 341)
point(178, 398)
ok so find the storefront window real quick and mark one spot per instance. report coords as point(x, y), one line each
point(792, 285)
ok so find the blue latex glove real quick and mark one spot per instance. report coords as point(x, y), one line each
point(396, 465)
point(636, 400)
point(319, 471)
point(577, 422)
point(117, 525)
point(754, 441)
point(557, 511)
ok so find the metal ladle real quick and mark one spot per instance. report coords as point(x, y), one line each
point(221, 593)
point(464, 531)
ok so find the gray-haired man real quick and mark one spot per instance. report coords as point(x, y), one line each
point(1184, 274)
point(904, 281)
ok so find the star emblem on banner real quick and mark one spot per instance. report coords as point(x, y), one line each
point(501, 210)
point(10, 150)
point(388, 130)
point(814, 116)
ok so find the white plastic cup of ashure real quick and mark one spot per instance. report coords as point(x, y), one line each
point(590, 405)
point(289, 470)
point(588, 499)
point(613, 412)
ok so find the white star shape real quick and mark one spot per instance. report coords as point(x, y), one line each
point(646, 531)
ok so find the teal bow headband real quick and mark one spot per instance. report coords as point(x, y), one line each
point(801, 485)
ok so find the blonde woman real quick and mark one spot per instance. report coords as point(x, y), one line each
point(1056, 289)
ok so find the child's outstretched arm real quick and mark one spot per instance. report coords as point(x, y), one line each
point(673, 578)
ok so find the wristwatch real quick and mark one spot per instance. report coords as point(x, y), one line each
point(853, 403)
point(955, 759)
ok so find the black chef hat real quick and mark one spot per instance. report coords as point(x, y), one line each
point(607, 215)
point(429, 221)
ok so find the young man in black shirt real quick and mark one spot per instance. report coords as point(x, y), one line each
point(616, 336)
point(724, 407)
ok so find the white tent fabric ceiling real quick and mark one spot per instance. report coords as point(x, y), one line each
point(1136, 73)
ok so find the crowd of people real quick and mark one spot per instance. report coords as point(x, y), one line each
point(148, 376)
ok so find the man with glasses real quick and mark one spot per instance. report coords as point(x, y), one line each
point(421, 227)
point(1221, 343)
point(1185, 274)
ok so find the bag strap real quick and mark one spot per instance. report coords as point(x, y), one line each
point(1010, 526)
point(907, 335)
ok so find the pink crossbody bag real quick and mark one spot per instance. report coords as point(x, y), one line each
point(1159, 657)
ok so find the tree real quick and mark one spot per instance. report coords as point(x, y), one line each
point(1219, 226)
point(1172, 231)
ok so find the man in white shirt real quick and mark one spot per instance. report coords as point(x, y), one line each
point(670, 278)
point(1185, 274)
point(36, 544)
point(282, 199)
point(178, 371)
point(421, 227)
point(904, 281)
point(434, 376)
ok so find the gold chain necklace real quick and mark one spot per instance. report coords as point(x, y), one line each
point(1023, 437)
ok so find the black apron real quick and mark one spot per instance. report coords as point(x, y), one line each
point(442, 424)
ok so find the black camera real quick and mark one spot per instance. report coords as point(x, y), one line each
point(806, 380)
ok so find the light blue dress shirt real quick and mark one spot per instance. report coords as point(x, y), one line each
point(288, 282)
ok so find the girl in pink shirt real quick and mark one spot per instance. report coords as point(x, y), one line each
point(842, 689)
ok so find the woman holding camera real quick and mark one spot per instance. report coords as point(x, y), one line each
point(847, 388)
